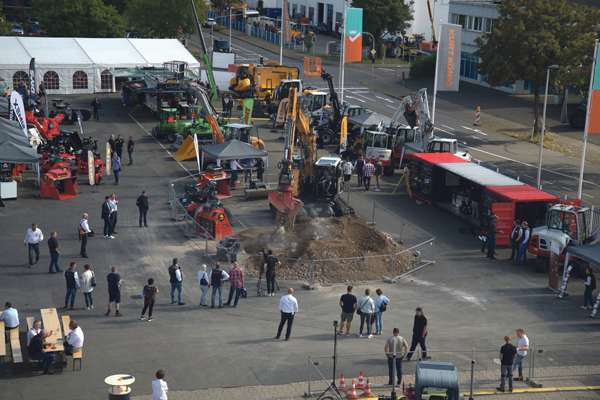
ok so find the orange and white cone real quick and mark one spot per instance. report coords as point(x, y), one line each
point(368, 392)
point(342, 386)
point(361, 381)
point(352, 393)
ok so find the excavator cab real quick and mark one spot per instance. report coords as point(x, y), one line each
point(244, 133)
point(328, 178)
point(570, 221)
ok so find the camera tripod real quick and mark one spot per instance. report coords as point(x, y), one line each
point(332, 386)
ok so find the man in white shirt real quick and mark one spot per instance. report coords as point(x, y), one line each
point(10, 316)
point(33, 238)
point(288, 306)
point(74, 338)
point(234, 165)
point(112, 204)
point(159, 387)
point(85, 227)
point(35, 330)
point(522, 347)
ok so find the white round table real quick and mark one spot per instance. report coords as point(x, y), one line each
point(119, 386)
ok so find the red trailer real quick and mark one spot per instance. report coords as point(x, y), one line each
point(422, 173)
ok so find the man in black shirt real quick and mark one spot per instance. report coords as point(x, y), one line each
point(119, 143)
point(508, 353)
point(37, 351)
point(419, 334)
point(142, 203)
point(348, 304)
point(270, 263)
point(54, 248)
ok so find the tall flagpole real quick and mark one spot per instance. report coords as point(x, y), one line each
point(587, 120)
point(435, 82)
point(343, 53)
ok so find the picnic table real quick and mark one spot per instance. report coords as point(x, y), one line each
point(51, 321)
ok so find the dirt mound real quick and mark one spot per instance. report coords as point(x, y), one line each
point(367, 251)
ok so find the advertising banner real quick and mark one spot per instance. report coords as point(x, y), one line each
point(80, 120)
point(594, 123)
point(285, 26)
point(344, 135)
point(91, 171)
point(247, 113)
point(108, 165)
point(449, 62)
point(17, 111)
point(353, 35)
point(32, 89)
point(197, 147)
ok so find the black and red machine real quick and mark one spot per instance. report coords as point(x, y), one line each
point(58, 184)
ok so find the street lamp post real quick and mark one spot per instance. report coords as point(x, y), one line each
point(539, 171)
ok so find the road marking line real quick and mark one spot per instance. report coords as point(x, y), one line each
point(475, 130)
point(529, 176)
point(524, 163)
point(566, 188)
point(355, 98)
point(385, 69)
point(384, 99)
point(548, 182)
point(478, 138)
point(358, 94)
point(587, 195)
point(441, 130)
point(392, 107)
point(449, 127)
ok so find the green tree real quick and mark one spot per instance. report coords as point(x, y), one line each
point(78, 18)
point(531, 35)
point(162, 18)
point(381, 16)
point(119, 5)
point(423, 67)
point(4, 26)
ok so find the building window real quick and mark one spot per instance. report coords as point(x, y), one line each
point(80, 80)
point(18, 77)
point(338, 18)
point(106, 80)
point(476, 23)
point(51, 80)
point(489, 25)
point(468, 64)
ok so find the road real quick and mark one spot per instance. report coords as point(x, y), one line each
point(510, 156)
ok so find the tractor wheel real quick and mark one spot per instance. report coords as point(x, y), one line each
point(327, 137)
point(388, 171)
point(171, 136)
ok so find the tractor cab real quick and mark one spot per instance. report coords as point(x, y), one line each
point(244, 133)
point(401, 135)
point(168, 116)
point(354, 111)
point(328, 178)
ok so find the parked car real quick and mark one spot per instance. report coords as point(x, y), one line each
point(31, 21)
point(319, 28)
point(131, 34)
point(221, 46)
point(209, 22)
point(17, 30)
point(35, 30)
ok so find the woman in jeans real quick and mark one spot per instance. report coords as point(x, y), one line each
point(381, 299)
point(203, 282)
point(149, 292)
point(86, 286)
point(366, 308)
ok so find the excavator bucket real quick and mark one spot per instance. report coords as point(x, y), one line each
point(186, 151)
point(257, 190)
point(59, 185)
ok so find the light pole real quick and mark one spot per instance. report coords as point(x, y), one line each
point(539, 171)
point(373, 43)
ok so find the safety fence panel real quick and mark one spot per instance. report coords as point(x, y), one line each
point(564, 360)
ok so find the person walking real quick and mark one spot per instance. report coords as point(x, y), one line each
point(130, 146)
point(590, 286)
point(33, 238)
point(394, 345)
point(359, 165)
point(114, 291)
point(236, 278)
point(347, 167)
point(491, 238)
point(176, 279)
point(142, 204)
point(114, 212)
point(419, 334)
point(378, 173)
point(159, 387)
point(522, 347)
point(149, 293)
point(368, 171)
point(106, 212)
point(216, 277)
point(270, 262)
point(260, 168)
point(54, 248)
point(508, 354)
point(515, 239)
point(84, 232)
point(234, 165)
point(203, 282)
point(288, 307)
point(366, 309)
point(348, 305)
point(88, 281)
point(523, 245)
point(115, 164)
point(73, 284)
point(381, 303)
point(119, 144)
point(96, 107)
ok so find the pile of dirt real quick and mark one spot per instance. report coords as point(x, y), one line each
point(367, 251)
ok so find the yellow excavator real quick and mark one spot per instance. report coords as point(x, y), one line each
point(259, 81)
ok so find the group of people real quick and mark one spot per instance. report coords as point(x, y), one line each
point(110, 212)
point(116, 151)
point(370, 311)
point(365, 170)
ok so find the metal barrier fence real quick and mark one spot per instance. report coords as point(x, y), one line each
point(564, 360)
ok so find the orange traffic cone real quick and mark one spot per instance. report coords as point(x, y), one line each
point(368, 392)
point(361, 382)
point(342, 386)
point(352, 393)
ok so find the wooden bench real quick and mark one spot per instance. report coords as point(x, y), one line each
point(77, 353)
point(2, 346)
point(15, 345)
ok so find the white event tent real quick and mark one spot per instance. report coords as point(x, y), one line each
point(83, 65)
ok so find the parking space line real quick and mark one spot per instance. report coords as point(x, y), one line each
point(449, 127)
point(384, 99)
point(449, 133)
point(363, 96)
point(587, 195)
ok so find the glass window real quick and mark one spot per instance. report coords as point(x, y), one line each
point(477, 22)
point(51, 80)
point(489, 24)
point(106, 80)
point(462, 21)
point(469, 23)
point(20, 76)
point(338, 18)
point(80, 80)
point(468, 64)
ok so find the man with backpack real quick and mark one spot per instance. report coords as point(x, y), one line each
point(523, 245)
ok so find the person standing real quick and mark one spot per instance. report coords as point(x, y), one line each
point(366, 309)
point(522, 347)
point(515, 239)
point(234, 165)
point(381, 303)
point(96, 107)
point(114, 212)
point(159, 387)
point(119, 144)
point(419, 334)
point(229, 106)
point(106, 211)
point(115, 164)
point(114, 291)
point(10, 316)
point(149, 293)
point(73, 284)
point(236, 278)
point(270, 263)
point(491, 238)
point(288, 307)
point(216, 277)
point(126, 95)
point(348, 305)
point(590, 286)
point(176, 279)
point(225, 105)
point(33, 238)
point(523, 245)
point(203, 282)
point(38, 351)
point(113, 146)
point(142, 204)
point(347, 168)
point(359, 165)
point(130, 146)
point(378, 173)
point(394, 345)
point(508, 354)
point(54, 248)
point(88, 280)
point(260, 168)
point(84, 231)
point(368, 171)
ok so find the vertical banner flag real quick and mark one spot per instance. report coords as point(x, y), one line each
point(594, 123)
point(197, 151)
point(108, 159)
point(80, 120)
point(449, 62)
point(344, 135)
point(353, 35)
point(32, 89)
point(17, 111)
point(286, 34)
point(91, 171)
point(247, 113)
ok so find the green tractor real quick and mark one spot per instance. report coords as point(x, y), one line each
point(179, 121)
